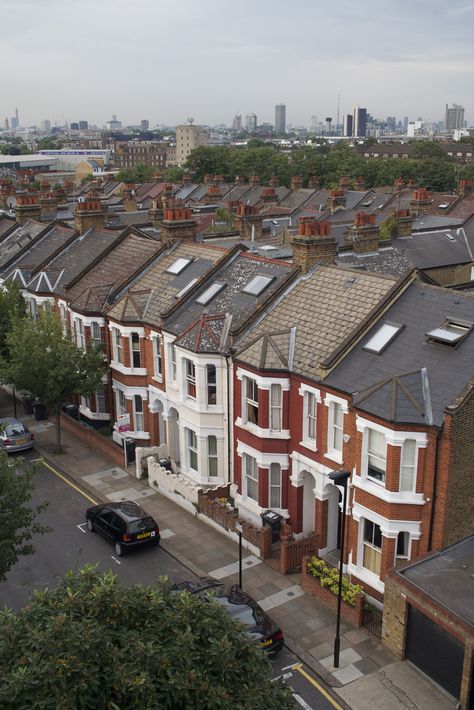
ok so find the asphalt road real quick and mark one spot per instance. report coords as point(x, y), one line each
point(71, 545)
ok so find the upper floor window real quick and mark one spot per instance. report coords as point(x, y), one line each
point(403, 545)
point(80, 336)
point(275, 407)
point(250, 475)
point(376, 455)
point(136, 355)
point(250, 408)
point(100, 401)
point(372, 546)
point(157, 358)
point(408, 465)
point(63, 316)
point(117, 345)
point(190, 379)
point(309, 417)
point(274, 486)
point(211, 383)
point(121, 403)
point(172, 361)
point(96, 339)
point(335, 427)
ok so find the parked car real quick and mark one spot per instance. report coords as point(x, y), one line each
point(125, 524)
point(240, 606)
point(15, 436)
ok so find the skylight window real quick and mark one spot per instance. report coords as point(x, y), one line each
point(209, 293)
point(450, 237)
point(178, 266)
point(258, 284)
point(186, 288)
point(383, 337)
point(268, 247)
point(449, 333)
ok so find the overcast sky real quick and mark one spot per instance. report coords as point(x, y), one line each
point(210, 59)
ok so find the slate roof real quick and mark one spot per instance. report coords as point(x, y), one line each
point(325, 307)
point(155, 291)
point(49, 239)
point(19, 240)
point(6, 223)
point(297, 198)
point(427, 371)
point(234, 274)
point(54, 274)
point(91, 291)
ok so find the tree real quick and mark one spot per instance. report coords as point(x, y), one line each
point(17, 519)
point(140, 173)
point(91, 643)
point(12, 306)
point(173, 174)
point(388, 228)
point(49, 364)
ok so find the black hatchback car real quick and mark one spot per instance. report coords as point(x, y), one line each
point(240, 606)
point(125, 524)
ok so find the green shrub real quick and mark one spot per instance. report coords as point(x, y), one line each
point(329, 577)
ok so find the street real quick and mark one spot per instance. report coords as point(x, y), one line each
point(71, 545)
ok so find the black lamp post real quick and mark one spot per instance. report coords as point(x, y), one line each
point(340, 478)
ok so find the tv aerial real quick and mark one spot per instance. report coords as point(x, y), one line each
point(190, 120)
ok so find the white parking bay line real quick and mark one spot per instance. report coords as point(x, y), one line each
point(286, 595)
point(302, 702)
point(115, 560)
point(233, 568)
point(165, 534)
point(80, 526)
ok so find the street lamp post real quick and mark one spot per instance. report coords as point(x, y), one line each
point(340, 478)
point(239, 530)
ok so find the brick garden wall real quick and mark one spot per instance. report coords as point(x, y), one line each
point(97, 441)
point(311, 585)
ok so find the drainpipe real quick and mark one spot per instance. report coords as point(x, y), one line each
point(229, 440)
point(435, 486)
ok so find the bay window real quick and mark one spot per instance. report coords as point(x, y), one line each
point(172, 362)
point(274, 486)
point(376, 455)
point(138, 415)
point(135, 347)
point(121, 402)
point(372, 547)
point(250, 474)
point(403, 545)
point(212, 456)
point(408, 465)
point(96, 340)
point(211, 384)
point(157, 358)
point(190, 379)
point(275, 407)
point(80, 336)
point(192, 449)
point(117, 345)
point(250, 408)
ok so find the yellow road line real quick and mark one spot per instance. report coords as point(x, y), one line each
point(76, 488)
point(298, 667)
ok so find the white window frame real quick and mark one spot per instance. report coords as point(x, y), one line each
point(190, 379)
point(80, 333)
point(173, 366)
point(375, 455)
point(138, 413)
point(276, 407)
point(121, 402)
point(247, 384)
point(212, 458)
point(96, 340)
point(192, 449)
point(63, 317)
point(309, 417)
point(408, 553)
point(274, 474)
point(135, 348)
point(413, 466)
point(250, 474)
point(157, 358)
point(101, 401)
point(371, 546)
point(211, 386)
point(333, 453)
point(117, 345)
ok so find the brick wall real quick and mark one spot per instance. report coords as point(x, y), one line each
point(311, 585)
point(100, 443)
point(293, 552)
point(395, 612)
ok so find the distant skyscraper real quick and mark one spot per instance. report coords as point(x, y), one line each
point(83, 125)
point(359, 122)
point(237, 122)
point(328, 124)
point(46, 126)
point(74, 126)
point(280, 118)
point(405, 124)
point(454, 117)
point(144, 124)
point(314, 123)
point(17, 118)
point(347, 126)
point(251, 122)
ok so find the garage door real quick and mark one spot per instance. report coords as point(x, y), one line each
point(434, 651)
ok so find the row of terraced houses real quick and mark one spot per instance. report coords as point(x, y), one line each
point(265, 376)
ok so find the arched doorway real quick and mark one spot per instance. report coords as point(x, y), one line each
point(308, 503)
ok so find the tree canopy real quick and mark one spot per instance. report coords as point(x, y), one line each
point(18, 520)
point(12, 306)
point(91, 643)
point(49, 364)
point(140, 173)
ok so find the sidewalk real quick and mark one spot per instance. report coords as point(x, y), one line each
point(368, 676)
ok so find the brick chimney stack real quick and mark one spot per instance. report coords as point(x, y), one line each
point(167, 195)
point(398, 185)
point(213, 195)
point(155, 214)
point(336, 200)
point(313, 244)
point(89, 214)
point(239, 180)
point(364, 234)
point(360, 183)
point(412, 184)
point(344, 182)
point(27, 207)
point(6, 190)
point(254, 180)
point(178, 223)
point(405, 222)
point(49, 205)
point(465, 187)
point(129, 201)
point(314, 182)
point(420, 201)
point(268, 194)
point(247, 221)
point(186, 179)
point(296, 182)
point(158, 177)
point(208, 179)
point(273, 181)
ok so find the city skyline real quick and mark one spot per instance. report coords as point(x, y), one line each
point(410, 60)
